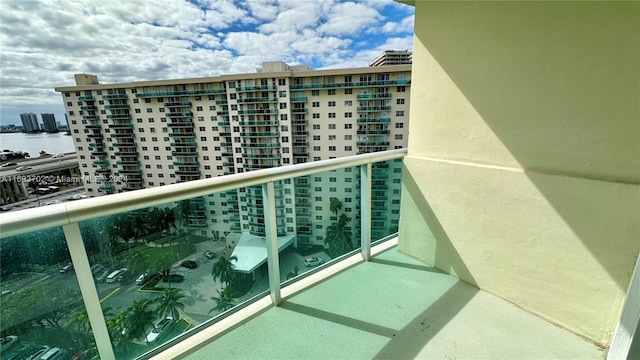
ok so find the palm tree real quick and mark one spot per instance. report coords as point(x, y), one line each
point(137, 317)
point(169, 303)
point(335, 205)
point(338, 239)
point(118, 332)
point(168, 219)
point(80, 321)
point(224, 301)
point(223, 269)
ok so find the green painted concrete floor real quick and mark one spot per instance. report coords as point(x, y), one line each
point(395, 307)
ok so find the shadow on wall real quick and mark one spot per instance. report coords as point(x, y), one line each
point(562, 96)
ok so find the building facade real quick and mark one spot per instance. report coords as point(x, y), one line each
point(49, 123)
point(29, 122)
point(392, 57)
point(130, 136)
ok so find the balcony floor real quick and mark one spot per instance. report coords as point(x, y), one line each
point(395, 307)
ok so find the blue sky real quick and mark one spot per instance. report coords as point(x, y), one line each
point(45, 42)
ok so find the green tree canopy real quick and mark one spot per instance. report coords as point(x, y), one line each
point(170, 303)
point(338, 239)
point(223, 269)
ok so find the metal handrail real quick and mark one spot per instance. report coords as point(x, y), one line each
point(28, 220)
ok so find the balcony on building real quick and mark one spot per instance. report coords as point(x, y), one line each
point(518, 233)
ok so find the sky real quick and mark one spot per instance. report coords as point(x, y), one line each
point(43, 43)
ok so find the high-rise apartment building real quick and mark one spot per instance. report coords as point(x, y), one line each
point(49, 123)
point(392, 57)
point(29, 122)
point(130, 136)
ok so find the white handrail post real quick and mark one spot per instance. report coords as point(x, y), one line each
point(365, 211)
point(629, 319)
point(271, 238)
point(88, 290)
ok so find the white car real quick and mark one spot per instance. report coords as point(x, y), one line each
point(313, 261)
point(23, 168)
point(57, 156)
point(160, 329)
point(7, 342)
point(113, 277)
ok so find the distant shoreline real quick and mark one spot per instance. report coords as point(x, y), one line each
point(38, 132)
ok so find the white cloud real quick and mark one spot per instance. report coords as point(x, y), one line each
point(350, 18)
point(45, 42)
point(406, 25)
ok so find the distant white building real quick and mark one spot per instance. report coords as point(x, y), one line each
point(392, 57)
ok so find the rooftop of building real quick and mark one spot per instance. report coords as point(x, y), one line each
point(268, 70)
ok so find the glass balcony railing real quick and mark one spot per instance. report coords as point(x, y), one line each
point(128, 275)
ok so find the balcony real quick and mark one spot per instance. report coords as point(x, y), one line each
point(260, 123)
point(258, 111)
point(119, 116)
point(181, 93)
point(382, 120)
point(117, 107)
point(115, 97)
point(257, 100)
point(374, 108)
point(374, 96)
point(256, 88)
point(428, 313)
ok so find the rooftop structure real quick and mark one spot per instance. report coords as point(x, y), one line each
point(392, 57)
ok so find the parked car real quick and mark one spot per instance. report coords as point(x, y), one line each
point(97, 268)
point(9, 164)
point(209, 254)
point(21, 354)
point(38, 352)
point(160, 329)
point(313, 261)
point(52, 354)
point(143, 279)
point(173, 278)
point(23, 168)
point(67, 268)
point(7, 342)
point(113, 277)
point(126, 277)
point(102, 276)
point(189, 264)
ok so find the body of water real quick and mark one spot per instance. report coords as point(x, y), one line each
point(55, 143)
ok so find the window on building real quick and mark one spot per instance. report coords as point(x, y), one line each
point(315, 104)
point(331, 103)
point(315, 92)
point(399, 125)
point(332, 126)
point(400, 113)
point(331, 92)
point(400, 89)
point(399, 101)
